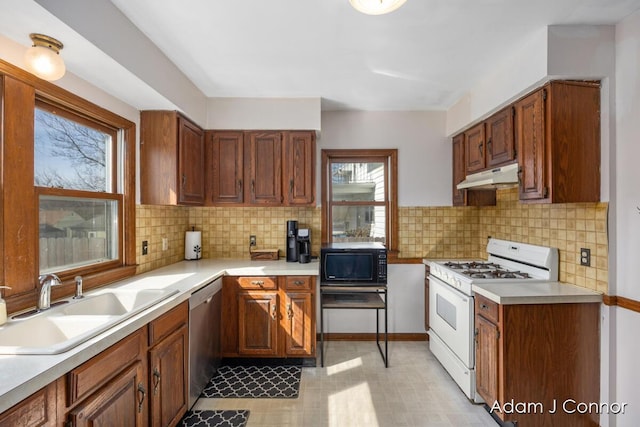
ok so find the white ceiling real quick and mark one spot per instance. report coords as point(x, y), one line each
point(424, 56)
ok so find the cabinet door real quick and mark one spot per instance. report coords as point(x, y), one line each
point(500, 145)
point(487, 341)
point(264, 153)
point(168, 373)
point(298, 322)
point(226, 167)
point(459, 170)
point(190, 163)
point(299, 168)
point(39, 409)
point(474, 148)
point(122, 402)
point(530, 140)
point(257, 323)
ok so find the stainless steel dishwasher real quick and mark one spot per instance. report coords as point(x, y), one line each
point(205, 309)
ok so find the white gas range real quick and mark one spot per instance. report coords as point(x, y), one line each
point(451, 307)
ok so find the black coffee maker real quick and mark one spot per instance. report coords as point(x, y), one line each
point(292, 241)
point(304, 245)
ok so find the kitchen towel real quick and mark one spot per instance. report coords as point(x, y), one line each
point(193, 245)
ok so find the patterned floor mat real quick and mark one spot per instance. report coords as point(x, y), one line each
point(255, 382)
point(225, 418)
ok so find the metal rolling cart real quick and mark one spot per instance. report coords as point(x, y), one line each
point(356, 297)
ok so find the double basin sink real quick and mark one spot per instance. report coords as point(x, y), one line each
point(66, 326)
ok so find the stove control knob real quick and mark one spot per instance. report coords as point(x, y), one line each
point(458, 283)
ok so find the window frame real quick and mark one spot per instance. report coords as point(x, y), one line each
point(389, 157)
point(20, 265)
point(122, 184)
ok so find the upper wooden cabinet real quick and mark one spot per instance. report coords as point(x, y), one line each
point(490, 143)
point(171, 159)
point(467, 197)
point(260, 168)
point(474, 148)
point(557, 131)
point(500, 147)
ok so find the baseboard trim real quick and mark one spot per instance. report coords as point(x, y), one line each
point(335, 336)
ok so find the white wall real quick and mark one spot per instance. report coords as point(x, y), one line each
point(405, 310)
point(624, 233)
point(263, 113)
point(424, 151)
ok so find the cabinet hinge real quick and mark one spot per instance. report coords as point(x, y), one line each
point(513, 111)
point(498, 334)
point(545, 192)
point(544, 94)
point(69, 423)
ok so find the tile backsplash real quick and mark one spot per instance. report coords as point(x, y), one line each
point(425, 232)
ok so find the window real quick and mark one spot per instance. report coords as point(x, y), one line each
point(359, 194)
point(79, 194)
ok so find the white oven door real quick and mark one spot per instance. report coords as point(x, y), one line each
point(450, 317)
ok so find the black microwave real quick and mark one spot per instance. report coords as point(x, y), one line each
point(354, 264)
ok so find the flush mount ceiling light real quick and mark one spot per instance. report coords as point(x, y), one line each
point(376, 7)
point(43, 58)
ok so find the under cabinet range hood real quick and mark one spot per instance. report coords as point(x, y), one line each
point(504, 176)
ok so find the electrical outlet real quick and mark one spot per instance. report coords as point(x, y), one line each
point(145, 247)
point(165, 243)
point(585, 257)
point(252, 240)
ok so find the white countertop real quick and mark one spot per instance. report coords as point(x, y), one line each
point(23, 375)
point(536, 293)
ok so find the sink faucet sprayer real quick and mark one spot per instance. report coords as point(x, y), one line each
point(78, 294)
point(46, 281)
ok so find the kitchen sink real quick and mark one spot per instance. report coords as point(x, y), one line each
point(62, 328)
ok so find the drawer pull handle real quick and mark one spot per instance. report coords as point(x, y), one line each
point(289, 311)
point(156, 380)
point(484, 306)
point(298, 282)
point(273, 311)
point(257, 282)
point(143, 393)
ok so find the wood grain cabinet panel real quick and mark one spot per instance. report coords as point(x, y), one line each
point(264, 154)
point(225, 170)
point(467, 197)
point(475, 149)
point(299, 166)
point(544, 353)
point(37, 410)
point(557, 131)
point(172, 159)
point(500, 138)
point(267, 316)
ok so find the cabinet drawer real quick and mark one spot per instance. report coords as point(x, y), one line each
point(93, 374)
point(487, 308)
point(298, 283)
point(164, 325)
point(258, 282)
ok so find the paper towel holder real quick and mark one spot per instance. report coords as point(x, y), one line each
point(193, 245)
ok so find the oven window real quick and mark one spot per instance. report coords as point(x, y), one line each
point(446, 311)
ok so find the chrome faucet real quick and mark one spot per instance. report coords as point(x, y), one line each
point(78, 294)
point(46, 281)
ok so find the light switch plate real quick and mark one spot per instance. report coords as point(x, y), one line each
point(165, 243)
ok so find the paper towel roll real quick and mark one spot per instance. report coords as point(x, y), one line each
point(193, 245)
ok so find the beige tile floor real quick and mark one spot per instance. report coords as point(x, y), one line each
point(354, 389)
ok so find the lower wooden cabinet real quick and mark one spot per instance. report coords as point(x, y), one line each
point(538, 354)
point(168, 367)
point(37, 410)
point(268, 316)
point(110, 388)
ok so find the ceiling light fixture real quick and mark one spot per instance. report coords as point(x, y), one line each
point(43, 58)
point(376, 7)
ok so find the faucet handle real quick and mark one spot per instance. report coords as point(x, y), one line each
point(43, 278)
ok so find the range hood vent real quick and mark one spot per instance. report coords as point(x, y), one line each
point(505, 176)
